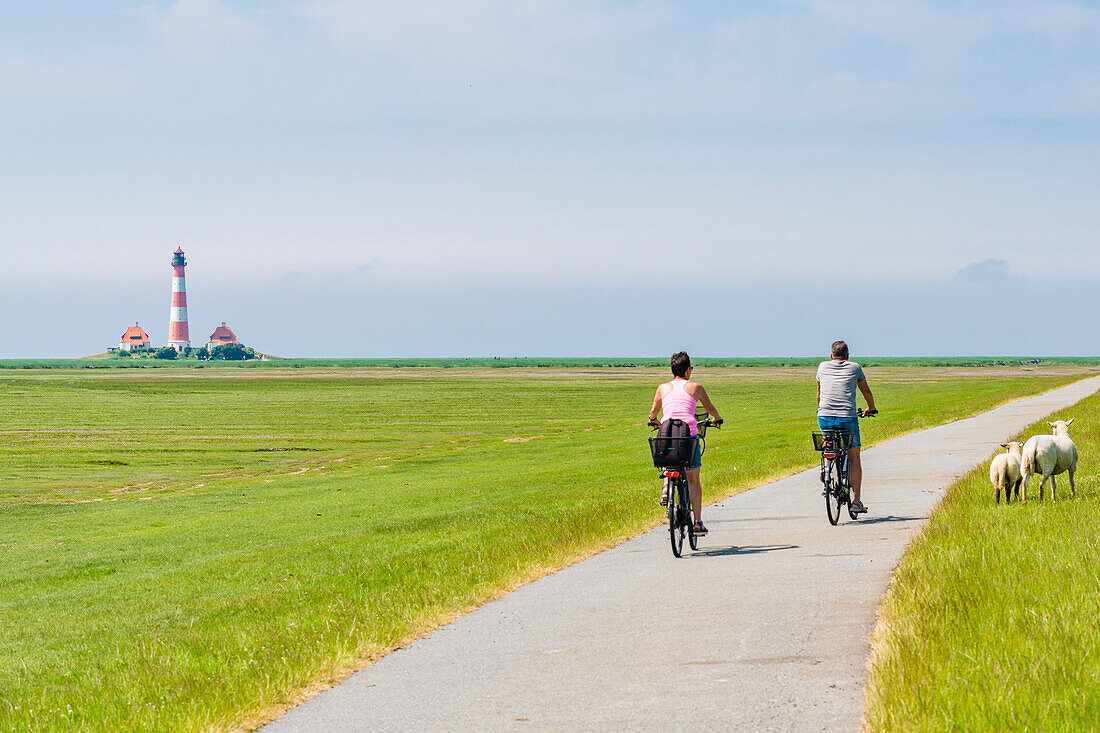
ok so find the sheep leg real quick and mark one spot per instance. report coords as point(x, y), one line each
point(1053, 488)
point(1023, 497)
point(1072, 488)
point(1016, 487)
point(997, 494)
point(1042, 486)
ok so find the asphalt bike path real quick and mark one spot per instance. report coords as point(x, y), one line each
point(766, 627)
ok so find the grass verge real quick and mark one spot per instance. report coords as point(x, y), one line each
point(990, 622)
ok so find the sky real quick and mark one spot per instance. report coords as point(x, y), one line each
point(541, 178)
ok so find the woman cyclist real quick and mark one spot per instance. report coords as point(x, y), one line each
point(676, 400)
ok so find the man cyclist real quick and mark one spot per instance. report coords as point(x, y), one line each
point(676, 400)
point(837, 380)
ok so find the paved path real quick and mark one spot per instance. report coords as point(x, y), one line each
point(772, 632)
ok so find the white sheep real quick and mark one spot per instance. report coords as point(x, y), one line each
point(1047, 455)
point(1004, 472)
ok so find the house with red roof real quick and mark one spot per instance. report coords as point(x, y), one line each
point(223, 334)
point(134, 338)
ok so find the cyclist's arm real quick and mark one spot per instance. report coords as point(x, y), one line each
point(819, 394)
point(701, 395)
point(866, 393)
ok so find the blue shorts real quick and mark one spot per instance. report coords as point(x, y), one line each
point(851, 424)
point(697, 461)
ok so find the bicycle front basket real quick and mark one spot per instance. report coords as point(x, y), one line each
point(832, 440)
point(673, 452)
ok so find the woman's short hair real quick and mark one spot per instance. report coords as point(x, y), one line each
point(840, 350)
point(681, 362)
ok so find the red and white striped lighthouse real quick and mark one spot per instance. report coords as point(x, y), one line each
point(177, 327)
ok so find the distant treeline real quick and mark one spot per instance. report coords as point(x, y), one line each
point(551, 362)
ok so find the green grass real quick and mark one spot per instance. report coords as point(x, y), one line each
point(146, 361)
point(194, 550)
point(991, 620)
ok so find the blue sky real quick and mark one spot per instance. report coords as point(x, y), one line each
point(535, 177)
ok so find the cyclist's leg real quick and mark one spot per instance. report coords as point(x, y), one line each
point(855, 473)
point(855, 466)
point(695, 483)
point(695, 491)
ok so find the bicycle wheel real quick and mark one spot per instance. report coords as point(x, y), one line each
point(675, 518)
point(833, 491)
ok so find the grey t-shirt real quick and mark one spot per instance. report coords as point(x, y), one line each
point(838, 381)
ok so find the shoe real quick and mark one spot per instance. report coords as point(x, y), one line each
point(699, 529)
point(858, 507)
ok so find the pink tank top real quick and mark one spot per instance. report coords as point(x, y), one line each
point(678, 404)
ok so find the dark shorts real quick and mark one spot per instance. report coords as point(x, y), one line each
point(851, 424)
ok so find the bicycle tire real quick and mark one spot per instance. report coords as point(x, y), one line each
point(675, 521)
point(687, 517)
point(833, 491)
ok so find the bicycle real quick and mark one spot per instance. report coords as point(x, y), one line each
point(834, 446)
point(672, 456)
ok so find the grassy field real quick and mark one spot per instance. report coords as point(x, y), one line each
point(991, 621)
point(197, 549)
point(107, 361)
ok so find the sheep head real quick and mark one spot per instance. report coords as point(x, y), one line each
point(1061, 427)
point(1013, 447)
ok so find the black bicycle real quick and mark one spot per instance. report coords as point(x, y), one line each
point(672, 456)
point(834, 446)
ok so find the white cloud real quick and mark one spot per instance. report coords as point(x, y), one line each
point(907, 22)
point(201, 31)
point(911, 60)
point(455, 38)
point(990, 271)
point(939, 28)
point(1062, 23)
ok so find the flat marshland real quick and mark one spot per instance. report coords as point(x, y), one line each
point(197, 549)
point(991, 619)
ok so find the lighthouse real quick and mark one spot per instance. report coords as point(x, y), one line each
point(177, 326)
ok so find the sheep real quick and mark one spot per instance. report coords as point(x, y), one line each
point(1047, 455)
point(1004, 472)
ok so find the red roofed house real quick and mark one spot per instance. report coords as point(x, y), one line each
point(223, 334)
point(134, 338)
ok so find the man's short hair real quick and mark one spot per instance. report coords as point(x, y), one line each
point(681, 362)
point(840, 350)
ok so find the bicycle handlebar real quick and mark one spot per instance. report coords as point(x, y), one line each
point(866, 413)
point(706, 422)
